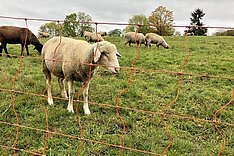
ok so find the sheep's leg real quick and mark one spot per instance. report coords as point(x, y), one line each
point(138, 44)
point(50, 98)
point(22, 49)
point(126, 42)
point(48, 83)
point(129, 43)
point(71, 92)
point(1, 46)
point(157, 45)
point(148, 44)
point(85, 95)
point(62, 87)
point(0, 49)
point(26, 46)
point(5, 49)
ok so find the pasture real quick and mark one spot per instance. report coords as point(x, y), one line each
point(162, 112)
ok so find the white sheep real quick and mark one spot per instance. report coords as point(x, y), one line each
point(75, 60)
point(92, 37)
point(155, 39)
point(103, 34)
point(43, 35)
point(132, 37)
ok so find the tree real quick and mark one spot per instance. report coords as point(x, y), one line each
point(70, 25)
point(224, 33)
point(51, 28)
point(115, 32)
point(196, 23)
point(162, 19)
point(76, 23)
point(140, 21)
point(84, 23)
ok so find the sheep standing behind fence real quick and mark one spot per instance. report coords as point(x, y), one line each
point(74, 59)
point(132, 37)
point(155, 39)
point(17, 35)
point(43, 35)
point(103, 34)
point(92, 37)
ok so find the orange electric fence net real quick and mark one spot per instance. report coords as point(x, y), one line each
point(167, 103)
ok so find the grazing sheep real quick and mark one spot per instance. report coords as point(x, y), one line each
point(43, 35)
point(103, 34)
point(17, 35)
point(92, 37)
point(156, 39)
point(71, 62)
point(132, 37)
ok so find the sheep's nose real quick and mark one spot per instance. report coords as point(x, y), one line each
point(117, 70)
point(114, 70)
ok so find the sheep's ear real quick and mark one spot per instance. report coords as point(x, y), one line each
point(96, 54)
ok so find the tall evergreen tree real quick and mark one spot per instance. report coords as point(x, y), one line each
point(196, 23)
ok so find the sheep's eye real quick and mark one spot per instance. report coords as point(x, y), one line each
point(118, 55)
point(105, 54)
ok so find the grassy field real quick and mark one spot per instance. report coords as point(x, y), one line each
point(163, 112)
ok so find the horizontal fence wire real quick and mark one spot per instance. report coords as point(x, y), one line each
point(81, 138)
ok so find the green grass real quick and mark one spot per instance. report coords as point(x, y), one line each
point(152, 85)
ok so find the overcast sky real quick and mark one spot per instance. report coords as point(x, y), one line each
point(218, 13)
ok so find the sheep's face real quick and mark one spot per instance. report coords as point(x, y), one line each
point(166, 46)
point(107, 56)
point(39, 48)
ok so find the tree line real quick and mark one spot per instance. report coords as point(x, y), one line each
point(224, 33)
point(160, 21)
point(73, 25)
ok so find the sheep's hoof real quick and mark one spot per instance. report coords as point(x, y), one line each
point(70, 110)
point(50, 101)
point(64, 95)
point(87, 112)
